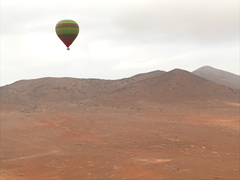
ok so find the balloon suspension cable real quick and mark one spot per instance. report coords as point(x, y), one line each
point(68, 48)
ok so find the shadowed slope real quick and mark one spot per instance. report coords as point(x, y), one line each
point(174, 86)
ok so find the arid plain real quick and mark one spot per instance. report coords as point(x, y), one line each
point(152, 126)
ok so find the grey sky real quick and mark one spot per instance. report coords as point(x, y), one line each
point(118, 38)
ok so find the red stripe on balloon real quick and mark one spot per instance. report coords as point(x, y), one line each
point(61, 25)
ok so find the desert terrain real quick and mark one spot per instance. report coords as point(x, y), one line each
point(153, 126)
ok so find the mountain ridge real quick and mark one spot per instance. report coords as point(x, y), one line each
point(162, 87)
point(174, 86)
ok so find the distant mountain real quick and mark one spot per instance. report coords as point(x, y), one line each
point(175, 86)
point(58, 90)
point(219, 76)
point(171, 87)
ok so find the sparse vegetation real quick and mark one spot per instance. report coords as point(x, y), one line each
point(138, 128)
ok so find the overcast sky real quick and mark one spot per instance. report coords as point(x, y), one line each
point(117, 38)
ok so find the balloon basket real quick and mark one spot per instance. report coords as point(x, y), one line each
point(68, 48)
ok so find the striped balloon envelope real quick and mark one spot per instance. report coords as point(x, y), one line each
point(67, 30)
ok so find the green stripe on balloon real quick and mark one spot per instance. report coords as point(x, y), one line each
point(67, 30)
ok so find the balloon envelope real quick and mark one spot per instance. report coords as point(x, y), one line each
point(67, 30)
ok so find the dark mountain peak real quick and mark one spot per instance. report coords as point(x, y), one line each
point(178, 71)
point(177, 75)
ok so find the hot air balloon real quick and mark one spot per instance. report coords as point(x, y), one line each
point(67, 30)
